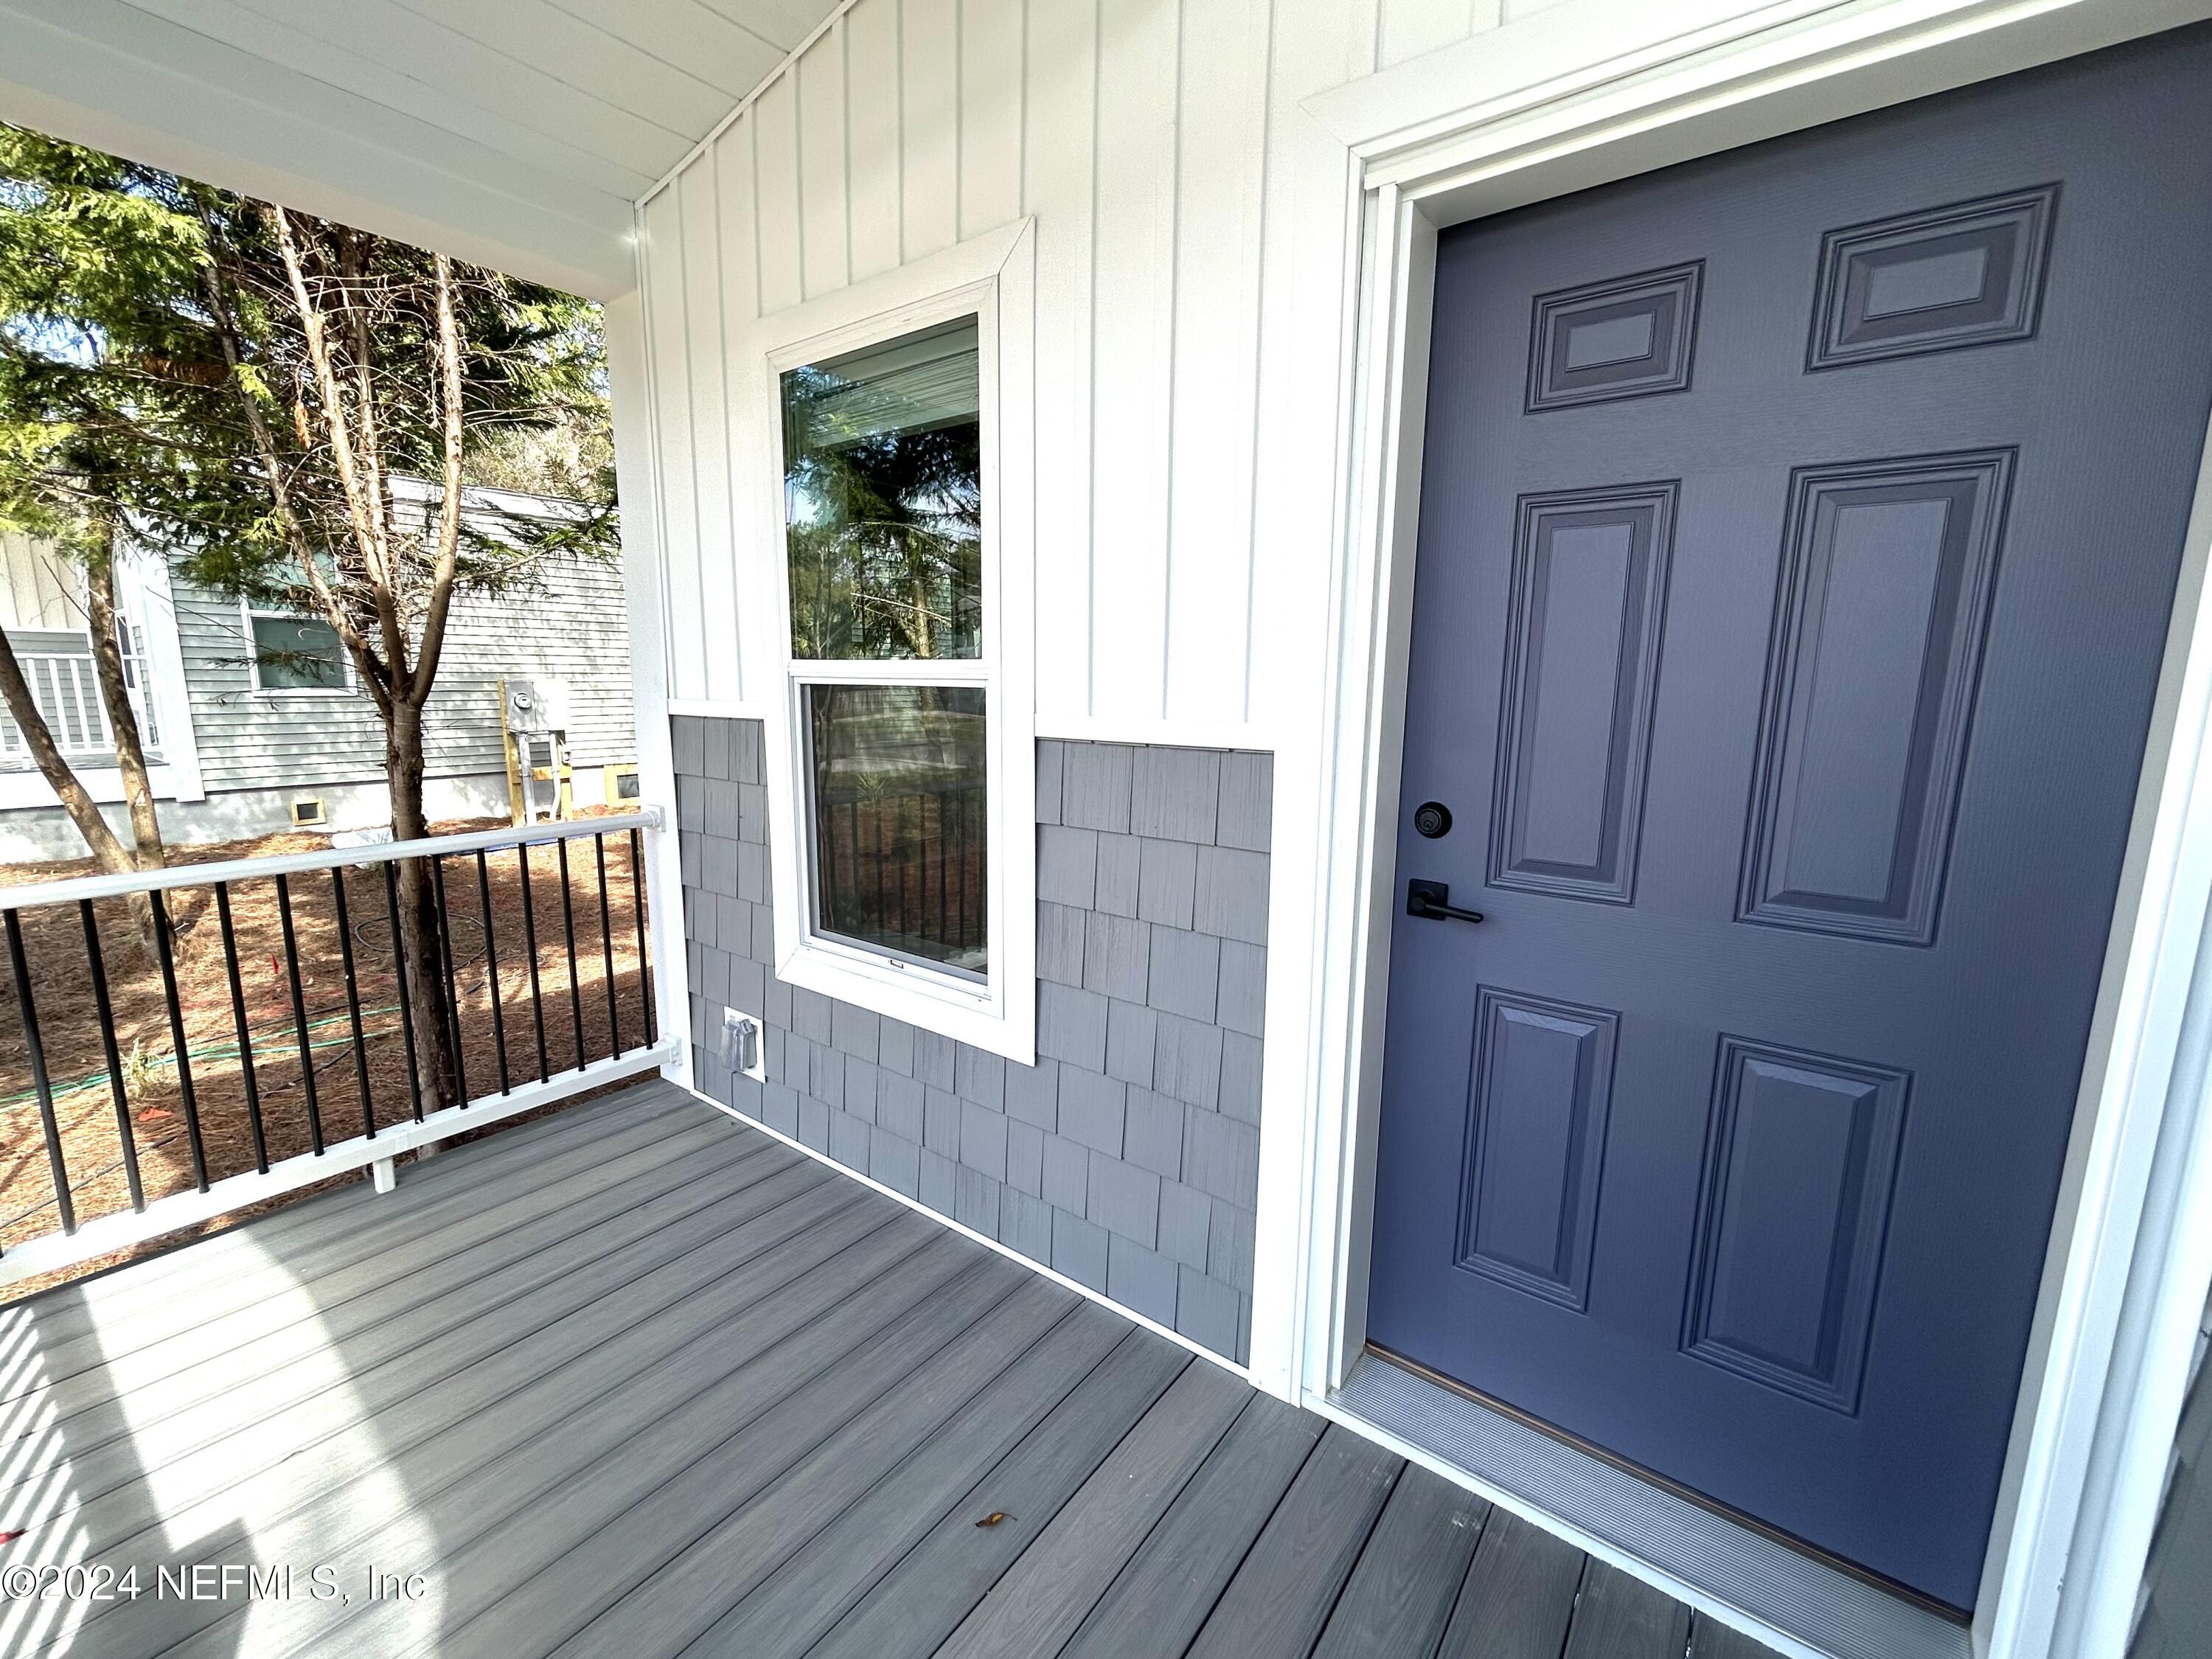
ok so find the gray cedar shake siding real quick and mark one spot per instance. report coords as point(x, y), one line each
point(1127, 1156)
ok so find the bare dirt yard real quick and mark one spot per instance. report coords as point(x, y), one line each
point(581, 1016)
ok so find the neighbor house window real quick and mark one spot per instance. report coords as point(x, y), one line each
point(295, 654)
point(884, 530)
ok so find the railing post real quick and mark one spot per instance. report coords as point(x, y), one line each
point(664, 896)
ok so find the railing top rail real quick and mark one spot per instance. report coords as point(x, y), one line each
point(30, 895)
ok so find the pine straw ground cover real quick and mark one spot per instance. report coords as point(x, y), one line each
point(576, 1021)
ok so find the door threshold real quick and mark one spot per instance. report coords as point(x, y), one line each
point(1813, 1602)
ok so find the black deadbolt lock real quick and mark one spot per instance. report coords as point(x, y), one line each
point(1433, 819)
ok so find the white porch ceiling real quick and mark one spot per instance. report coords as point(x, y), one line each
point(513, 132)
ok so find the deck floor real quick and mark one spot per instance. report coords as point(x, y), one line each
point(636, 1380)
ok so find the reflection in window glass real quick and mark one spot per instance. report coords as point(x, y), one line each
point(898, 781)
point(883, 499)
point(298, 653)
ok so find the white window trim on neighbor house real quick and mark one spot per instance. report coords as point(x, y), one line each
point(145, 597)
point(991, 278)
point(1517, 116)
point(248, 614)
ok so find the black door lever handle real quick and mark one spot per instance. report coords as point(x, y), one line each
point(1430, 900)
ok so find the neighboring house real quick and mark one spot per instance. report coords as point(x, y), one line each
point(248, 714)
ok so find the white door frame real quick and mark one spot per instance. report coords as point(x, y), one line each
point(1517, 116)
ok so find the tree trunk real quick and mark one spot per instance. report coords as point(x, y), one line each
point(108, 850)
point(115, 695)
point(435, 1042)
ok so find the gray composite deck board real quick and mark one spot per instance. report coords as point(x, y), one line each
point(1519, 1596)
point(638, 1380)
point(1616, 1615)
point(1400, 1596)
point(1163, 1597)
point(1280, 1600)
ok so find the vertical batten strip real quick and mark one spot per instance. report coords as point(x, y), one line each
point(821, 75)
point(1221, 129)
point(739, 298)
point(991, 69)
point(709, 408)
point(1058, 120)
point(1133, 345)
point(929, 49)
point(783, 252)
point(667, 349)
point(872, 168)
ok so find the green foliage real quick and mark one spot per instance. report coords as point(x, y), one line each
point(122, 402)
point(113, 407)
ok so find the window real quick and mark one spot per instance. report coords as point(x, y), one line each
point(295, 654)
point(903, 849)
point(882, 478)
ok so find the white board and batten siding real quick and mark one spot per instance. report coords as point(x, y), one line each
point(1187, 320)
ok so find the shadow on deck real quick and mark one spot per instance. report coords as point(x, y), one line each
point(637, 1380)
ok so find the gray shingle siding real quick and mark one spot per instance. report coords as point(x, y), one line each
point(1128, 1158)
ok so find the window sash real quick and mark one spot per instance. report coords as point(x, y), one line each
point(249, 615)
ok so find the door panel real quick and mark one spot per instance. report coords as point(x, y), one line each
point(1798, 538)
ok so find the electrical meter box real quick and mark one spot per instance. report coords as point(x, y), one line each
point(537, 706)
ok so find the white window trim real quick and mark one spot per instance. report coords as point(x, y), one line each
point(991, 277)
point(248, 613)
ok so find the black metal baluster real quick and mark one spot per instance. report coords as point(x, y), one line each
point(104, 1012)
point(299, 1015)
point(238, 1020)
point(37, 1050)
point(568, 934)
point(638, 909)
point(491, 966)
point(353, 1003)
point(452, 981)
point(607, 944)
point(530, 942)
point(164, 943)
point(406, 1001)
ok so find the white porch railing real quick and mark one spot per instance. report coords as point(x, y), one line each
point(275, 1009)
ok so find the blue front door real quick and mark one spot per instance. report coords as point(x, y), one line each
point(1799, 535)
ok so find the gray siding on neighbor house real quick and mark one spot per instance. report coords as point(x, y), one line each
point(576, 629)
point(2175, 1618)
point(1127, 1156)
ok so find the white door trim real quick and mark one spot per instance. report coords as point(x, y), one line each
point(1504, 120)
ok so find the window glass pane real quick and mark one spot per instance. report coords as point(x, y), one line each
point(883, 499)
point(899, 821)
point(298, 653)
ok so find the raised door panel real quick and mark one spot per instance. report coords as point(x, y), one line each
point(1962, 276)
point(1542, 1088)
point(1582, 668)
point(1888, 570)
point(1795, 1211)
